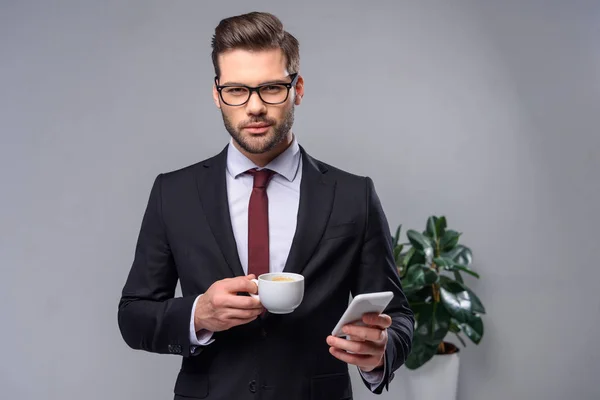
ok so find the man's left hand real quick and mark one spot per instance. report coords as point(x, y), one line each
point(367, 343)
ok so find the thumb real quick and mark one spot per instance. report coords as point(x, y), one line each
point(251, 276)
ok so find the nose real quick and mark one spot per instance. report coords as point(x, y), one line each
point(255, 105)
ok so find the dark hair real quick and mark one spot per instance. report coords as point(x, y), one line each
point(255, 31)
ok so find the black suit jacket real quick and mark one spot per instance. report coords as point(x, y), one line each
point(342, 246)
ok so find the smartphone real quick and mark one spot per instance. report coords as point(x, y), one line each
point(362, 304)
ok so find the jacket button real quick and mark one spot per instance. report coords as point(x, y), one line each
point(175, 348)
point(252, 386)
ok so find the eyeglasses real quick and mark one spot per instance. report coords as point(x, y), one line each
point(270, 93)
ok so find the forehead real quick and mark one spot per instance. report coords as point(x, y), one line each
point(252, 67)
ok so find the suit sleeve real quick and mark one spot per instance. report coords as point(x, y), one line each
point(377, 272)
point(149, 316)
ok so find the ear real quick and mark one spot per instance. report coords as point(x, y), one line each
point(299, 90)
point(216, 98)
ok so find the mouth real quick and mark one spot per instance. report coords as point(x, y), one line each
point(257, 129)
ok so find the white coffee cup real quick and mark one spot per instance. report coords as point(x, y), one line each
point(280, 296)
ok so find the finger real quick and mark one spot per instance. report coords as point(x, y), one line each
point(383, 321)
point(241, 302)
point(365, 348)
point(233, 313)
point(240, 284)
point(354, 338)
point(364, 332)
point(354, 359)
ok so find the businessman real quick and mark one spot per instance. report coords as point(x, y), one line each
point(263, 204)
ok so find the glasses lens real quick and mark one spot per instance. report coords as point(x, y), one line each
point(235, 95)
point(274, 93)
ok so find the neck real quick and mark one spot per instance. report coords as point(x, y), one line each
point(263, 159)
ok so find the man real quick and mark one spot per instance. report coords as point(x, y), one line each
point(263, 204)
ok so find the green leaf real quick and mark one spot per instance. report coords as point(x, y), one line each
point(433, 323)
point(409, 290)
point(420, 242)
point(459, 288)
point(435, 228)
point(430, 229)
point(458, 304)
point(473, 328)
point(456, 300)
point(451, 285)
point(421, 353)
point(431, 328)
point(421, 296)
point(449, 240)
point(454, 326)
point(417, 258)
point(476, 304)
point(460, 254)
point(397, 235)
point(458, 276)
point(450, 265)
point(417, 307)
point(465, 270)
point(408, 256)
point(442, 262)
point(408, 287)
point(420, 275)
point(397, 253)
point(440, 226)
point(417, 277)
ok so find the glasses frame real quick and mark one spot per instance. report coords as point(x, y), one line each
point(256, 89)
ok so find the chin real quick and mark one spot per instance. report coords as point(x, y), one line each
point(258, 144)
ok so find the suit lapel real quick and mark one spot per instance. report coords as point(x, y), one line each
point(316, 200)
point(212, 189)
point(317, 191)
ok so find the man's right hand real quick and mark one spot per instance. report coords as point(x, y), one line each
point(220, 308)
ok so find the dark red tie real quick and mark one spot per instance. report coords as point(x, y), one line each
point(258, 223)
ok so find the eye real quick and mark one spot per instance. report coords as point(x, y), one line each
point(272, 89)
point(235, 91)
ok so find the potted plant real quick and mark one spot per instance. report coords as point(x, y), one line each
point(432, 266)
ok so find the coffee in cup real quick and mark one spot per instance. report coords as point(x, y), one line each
point(281, 279)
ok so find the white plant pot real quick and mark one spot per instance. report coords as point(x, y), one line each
point(437, 379)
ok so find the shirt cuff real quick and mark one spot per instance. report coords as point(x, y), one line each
point(374, 378)
point(201, 338)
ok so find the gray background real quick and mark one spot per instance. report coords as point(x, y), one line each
point(487, 113)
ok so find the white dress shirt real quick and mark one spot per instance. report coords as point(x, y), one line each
point(283, 192)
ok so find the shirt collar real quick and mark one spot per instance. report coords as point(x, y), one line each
point(286, 164)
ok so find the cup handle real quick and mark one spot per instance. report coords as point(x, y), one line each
point(252, 294)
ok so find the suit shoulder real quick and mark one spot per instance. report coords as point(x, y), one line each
point(342, 175)
point(183, 177)
point(186, 171)
point(180, 172)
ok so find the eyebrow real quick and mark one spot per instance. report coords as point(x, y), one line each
point(280, 81)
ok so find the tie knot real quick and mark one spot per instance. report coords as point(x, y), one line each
point(261, 177)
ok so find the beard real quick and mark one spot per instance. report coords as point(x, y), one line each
point(258, 144)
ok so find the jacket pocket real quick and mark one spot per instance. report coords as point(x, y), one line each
point(191, 386)
point(331, 387)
